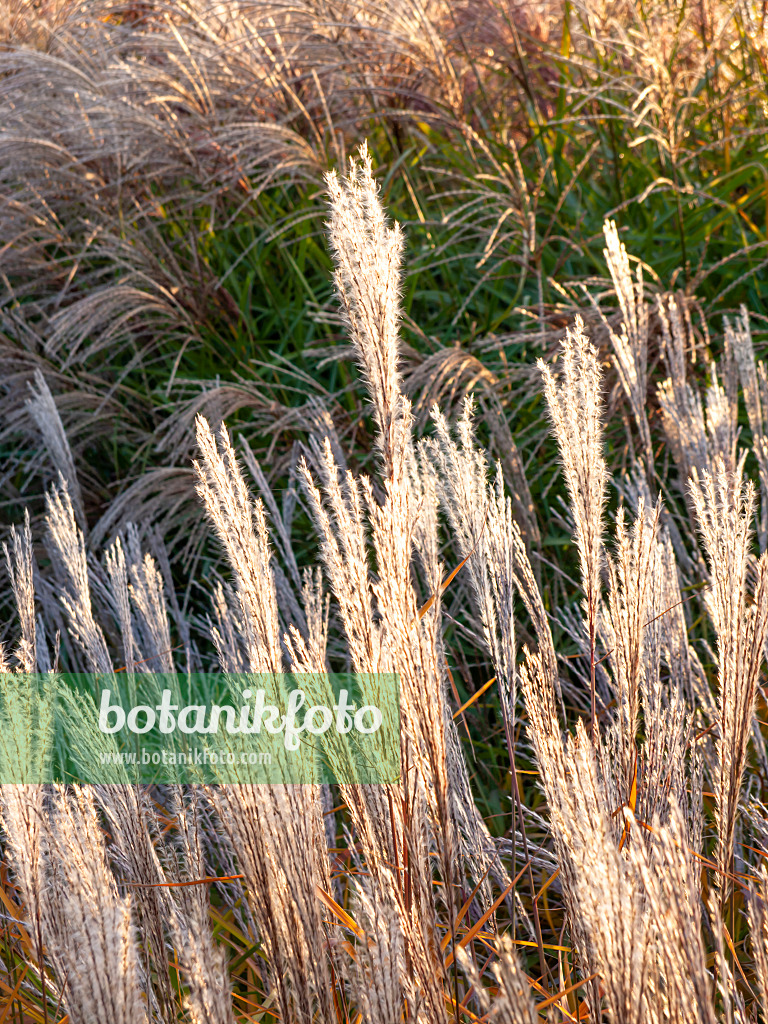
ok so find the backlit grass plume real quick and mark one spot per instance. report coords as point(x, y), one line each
point(574, 404)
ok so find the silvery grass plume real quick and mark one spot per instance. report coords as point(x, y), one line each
point(667, 616)
point(698, 432)
point(42, 408)
point(538, 679)
point(67, 549)
point(391, 826)
point(754, 382)
point(23, 750)
point(87, 924)
point(611, 928)
point(663, 771)
point(209, 999)
point(22, 818)
point(20, 564)
point(385, 629)
point(681, 409)
point(634, 917)
point(131, 816)
point(573, 401)
point(376, 979)
point(147, 592)
point(680, 988)
point(630, 346)
point(731, 999)
point(275, 830)
point(724, 505)
point(384, 626)
point(608, 899)
point(37, 840)
point(368, 253)
point(624, 621)
point(480, 517)
point(126, 806)
point(478, 851)
point(133, 591)
point(540, 688)
point(117, 574)
point(225, 497)
point(512, 1003)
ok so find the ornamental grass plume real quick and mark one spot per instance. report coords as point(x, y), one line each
point(513, 1003)
point(699, 431)
point(668, 870)
point(630, 346)
point(275, 830)
point(126, 807)
point(607, 898)
point(209, 1000)
point(87, 925)
point(42, 408)
point(754, 382)
point(587, 784)
point(368, 254)
point(724, 504)
point(630, 573)
point(20, 564)
point(22, 812)
point(573, 402)
point(538, 677)
point(480, 516)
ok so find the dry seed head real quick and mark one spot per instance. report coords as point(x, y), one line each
point(20, 563)
point(87, 925)
point(724, 506)
point(42, 409)
point(631, 579)
point(368, 254)
point(68, 551)
point(242, 529)
point(573, 399)
point(630, 346)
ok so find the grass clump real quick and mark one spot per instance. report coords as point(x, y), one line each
point(578, 615)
